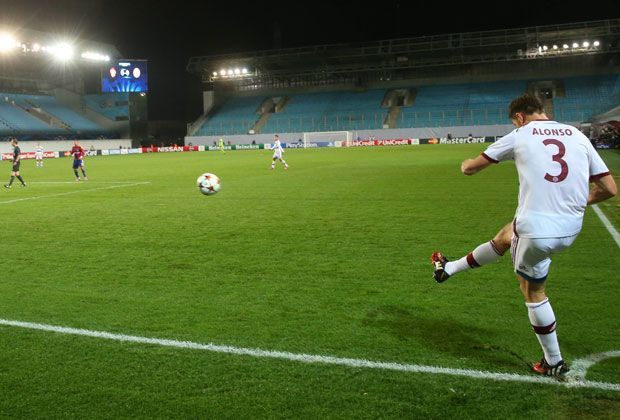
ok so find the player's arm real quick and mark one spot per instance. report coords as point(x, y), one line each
point(604, 188)
point(473, 166)
point(502, 149)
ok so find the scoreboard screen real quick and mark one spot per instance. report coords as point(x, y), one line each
point(125, 76)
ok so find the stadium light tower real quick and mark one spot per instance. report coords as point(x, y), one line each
point(62, 51)
point(7, 43)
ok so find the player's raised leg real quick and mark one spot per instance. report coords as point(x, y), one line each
point(483, 254)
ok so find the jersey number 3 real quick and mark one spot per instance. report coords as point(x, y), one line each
point(557, 158)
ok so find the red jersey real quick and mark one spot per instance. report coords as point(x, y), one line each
point(77, 152)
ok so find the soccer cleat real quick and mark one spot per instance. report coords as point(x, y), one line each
point(23, 185)
point(85, 178)
point(439, 264)
point(558, 371)
point(7, 186)
point(77, 179)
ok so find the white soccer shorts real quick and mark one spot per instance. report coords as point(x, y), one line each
point(277, 154)
point(531, 257)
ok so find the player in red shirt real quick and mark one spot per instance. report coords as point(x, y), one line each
point(78, 155)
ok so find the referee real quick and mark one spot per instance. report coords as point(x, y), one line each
point(16, 162)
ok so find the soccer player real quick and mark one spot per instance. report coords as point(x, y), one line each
point(277, 152)
point(16, 163)
point(555, 163)
point(38, 155)
point(78, 160)
point(222, 145)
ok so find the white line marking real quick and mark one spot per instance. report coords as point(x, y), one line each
point(310, 358)
point(612, 230)
point(72, 192)
point(87, 182)
point(579, 367)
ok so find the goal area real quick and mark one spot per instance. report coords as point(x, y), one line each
point(326, 136)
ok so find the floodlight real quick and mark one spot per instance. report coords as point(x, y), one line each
point(555, 47)
point(565, 46)
point(90, 55)
point(596, 43)
point(545, 48)
point(222, 72)
point(575, 45)
point(214, 74)
point(237, 71)
point(244, 71)
point(36, 47)
point(7, 42)
point(62, 51)
point(230, 72)
point(585, 44)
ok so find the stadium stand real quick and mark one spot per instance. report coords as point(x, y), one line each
point(16, 120)
point(586, 97)
point(234, 116)
point(434, 106)
point(74, 121)
point(114, 106)
point(462, 104)
point(331, 111)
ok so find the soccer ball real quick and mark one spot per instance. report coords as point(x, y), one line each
point(208, 184)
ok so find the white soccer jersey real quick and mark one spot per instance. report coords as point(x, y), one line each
point(39, 151)
point(555, 164)
point(277, 149)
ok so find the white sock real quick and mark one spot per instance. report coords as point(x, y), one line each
point(483, 254)
point(542, 319)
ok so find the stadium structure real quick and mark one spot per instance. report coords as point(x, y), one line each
point(443, 86)
point(50, 91)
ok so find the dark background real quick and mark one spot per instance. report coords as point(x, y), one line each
point(167, 33)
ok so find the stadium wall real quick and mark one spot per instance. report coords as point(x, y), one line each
point(61, 145)
point(397, 133)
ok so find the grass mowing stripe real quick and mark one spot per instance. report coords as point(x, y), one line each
point(610, 228)
point(310, 358)
point(73, 192)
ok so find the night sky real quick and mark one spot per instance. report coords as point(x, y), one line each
point(167, 33)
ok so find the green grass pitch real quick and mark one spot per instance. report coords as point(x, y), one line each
point(329, 258)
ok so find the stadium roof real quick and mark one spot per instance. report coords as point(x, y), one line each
point(387, 58)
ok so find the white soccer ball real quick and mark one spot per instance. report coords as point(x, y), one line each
point(208, 184)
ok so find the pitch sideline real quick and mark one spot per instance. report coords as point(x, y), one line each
point(320, 359)
point(608, 225)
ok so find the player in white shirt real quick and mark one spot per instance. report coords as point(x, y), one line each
point(555, 163)
point(38, 155)
point(277, 152)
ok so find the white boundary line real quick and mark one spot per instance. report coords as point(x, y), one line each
point(610, 227)
point(314, 359)
point(581, 366)
point(85, 182)
point(72, 192)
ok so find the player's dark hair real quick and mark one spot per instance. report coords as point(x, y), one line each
point(526, 104)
